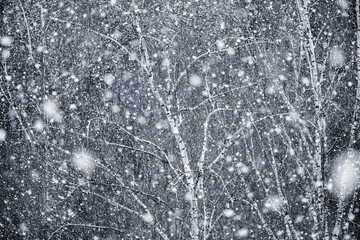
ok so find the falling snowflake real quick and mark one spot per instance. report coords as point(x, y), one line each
point(51, 110)
point(6, 41)
point(228, 213)
point(337, 58)
point(109, 79)
point(84, 162)
point(147, 217)
point(243, 232)
point(346, 173)
point(273, 203)
point(195, 80)
point(2, 135)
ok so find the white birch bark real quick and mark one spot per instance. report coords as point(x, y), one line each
point(355, 121)
point(166, 106)
point(319, 115)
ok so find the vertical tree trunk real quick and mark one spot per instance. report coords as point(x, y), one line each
point(355, 122)
point(355, 118)
point(319, 111)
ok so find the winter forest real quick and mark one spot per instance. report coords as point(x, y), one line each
point(170, 119)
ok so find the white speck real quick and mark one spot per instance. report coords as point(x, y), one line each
point(2, 135)
point(23, 228)
point(39, 49)
point(132, 56)
point(274, 203)
point(117, 34)
point(51, 109)
point(330, 186)
point(337, 58)
point(222, 25)
point(230, 51)
point(70, 212)
point(84, 162)
point(109, 79)
point(166, 63)
point(72, 106)
point(304, 200)
point(282, 77)
point(5, 54)
point(6, 41)
point(108, 94)
point(112, 2)
point(300, 171)
point(141, 119)
point(270, 90)
point(189, 196)
point(115, 108)
point(242, 232)
point(175, 131)
point(299, 219)
point(220, 44)
point(293, 116)
point(39, 125)
point(228, 213)
point(74, 78)
point(249, 60)
point(245, 169)
point(159, 125)
point(147, 217)
point(346, 173)
point(343, 4)
point(195, 80)
point(291, 152)
point(305, 81)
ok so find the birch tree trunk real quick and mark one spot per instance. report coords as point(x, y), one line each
point(319, 130)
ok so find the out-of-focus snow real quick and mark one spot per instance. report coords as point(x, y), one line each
point(243, 232)
point(346, 173)
point(141, 119)
point(195, 80)
point(23, 228)
point(109, 79)
point(5, 54)
point(147, 217)
point(305, 81)
point(166, 63)
point(230, 51)
point(2, 135)
point(220, 44)
point(38, 125)
point(51, 110)
point(189, 196)
point(228, 213)
point(343, 4)
point(6, 41)
point(84, 162)
point(337, 58)
point(273, 203)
